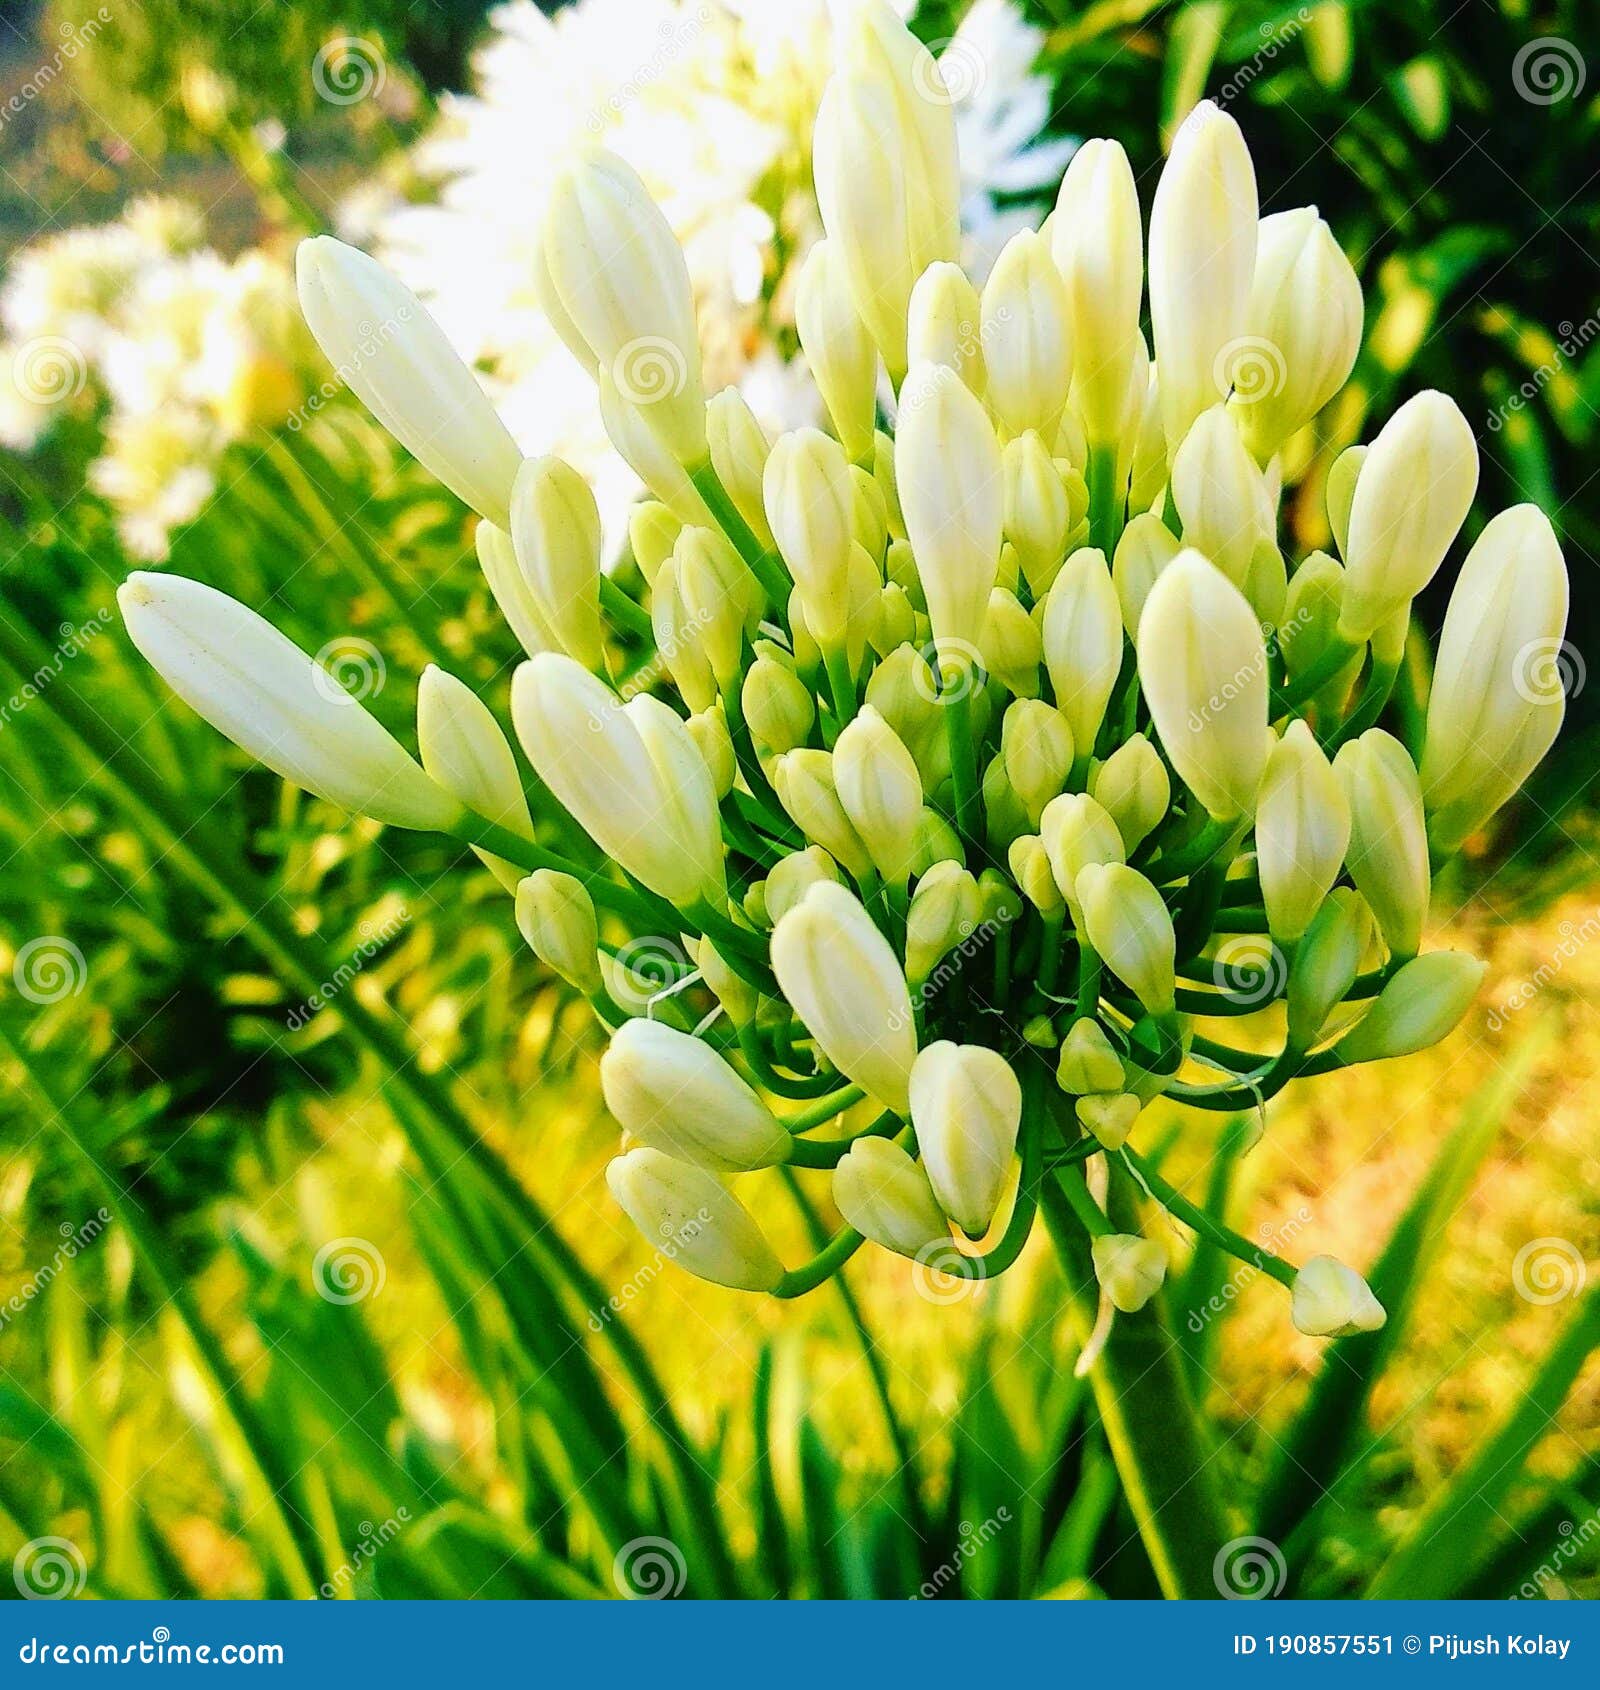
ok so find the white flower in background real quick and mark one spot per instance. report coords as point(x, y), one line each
point(712, 102)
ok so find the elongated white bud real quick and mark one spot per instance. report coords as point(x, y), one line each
point(555, 915)
point(1037, 746)
point(685, 808)
point(1130, 1269)
point(1038, 513)
point(839, 350)
point(1203, 669)
point(589, 750)
point(1077, 833)
point(1133, 787)
point(777, 705)
point(674, 1093)
point(1422, 1004)
point(966, 1105)
point(886, 1197)
point(1304, 329)
point(652, 533)
point(793, 876)
point(1098, 244)
point(1146, 548)
point(1302, 831)
point(1330, 1300)
point(613, 281)
point(944, 325)
point(512, 595)
point(1026, 329)
point(555, 531)
point(739, 452)
point(810, 501)
point(1388, 854)
point(1414, 491)
point(691, 1216)
point(1126, 921)
point(260, 690)
point(840, 975)
point(1221, 496)
point(1343, 474)
point(1498, 683)
point(464, 749)
point(677, 637)
point(720, 596)
point(1202, 264)
point(709, 731)
point(395, 358)
point(807, 787)
point(628, 429)
point(880, 791)
point(1083, 643)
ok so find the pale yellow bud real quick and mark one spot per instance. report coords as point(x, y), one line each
point(691, 1216)
point(1078, 832)
point(839, 350)
point(1089, 1062)
point(1011, 645)
point(1147, 462)
point(805, 783)
point(1038, 513)
point(1421, 1005)
point(966, 1106)
point(1326, 962)
point(896, 620)
point(843, 981)
point(677, 637)
point(739, 450)
point(512, 595)
point(1130, 1269)
point(945, 909)
point(1146, 548)
point(1133, 787)
point(1343, 474)
point(870, 516)
point(1129, 925)
point(627, 426)
point(1311, 621)
point(945, 314)
point(1329, 1300)
point(883, 474)
point(886, 1197)
point(555, 530)
point(1109, 1118)
point(1083, 643)
point(1302, 831)
point(793, 876)
point(1221, 496)
point(736, 995)
point(464, 750)
point(1203, 669)
point(556, 918)
point(1414, 491)
point(903, 690)
point(810, 501)
point(709, 731)
point(880, 792)
point(652, 533)
point(937, 842)
point(863, 608)
point(1388, 854)
point(1037, 746)
point(717, 592)
point(1029, 863)
point(1026, 328)
point(777, 706)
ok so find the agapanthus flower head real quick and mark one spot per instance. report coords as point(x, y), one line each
point(951, 761)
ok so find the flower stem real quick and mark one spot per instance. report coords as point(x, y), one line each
point(763, 564)
point(1209, 1228)
point(1105, 501)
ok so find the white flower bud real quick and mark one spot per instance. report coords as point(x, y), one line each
point(777, 705)
point(943, 326)
point(1130, 927)
point(1077, 833)
point(793, 876)
point(512, 595)
point(1083, 643)
point(841, 977)
point(1388, 853)
point(1421, 1005)
point(1221, 496)
point(1109, 1118)
point(1343, 474)
point(966, 1106)
point(613, 281)
point(1037, 747)
point(1414, 491)
point(1089, 1063)
point(1330, 1300)
point(945, 908)
point(739, 452)
point(690, 1215)
point(555, 531)
point(1133, 787)
point(1146, 548)
point(1030, 867)
point(709, 731)
point(677, 638)
point(718, 594)
point(1038, 514)
point(652, 533)
point(839, 351)
point(1302, 831)
point(1203, 669)
point(464, 750)
point(628, 429)
point(555, 915)
point(1026, 329)
point(1130, 1269)
point(384, 345)
point(886, 1197)
point(674, 1093)
point(1326, 962)
point(807, 787)
point(880, 791)
point(259, 689)
point(810, 502)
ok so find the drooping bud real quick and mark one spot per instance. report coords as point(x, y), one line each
point(1089, 1062)
point(1026, 330)
point(1202, 263)
point(810, 502)
point(384, 345)
point(777, 705)
point(1203, 668)
point(807, 787)
point(1498, 684)
point(1129, 925)
point(838, 972)
point(952, 493)
point(1302, 831)
point(966, 1106)
point(880, 792)
point(1388, 854)
point(509, 588)
point(793, 876)
point(1099, 248)
point(1078, 832)
point(1037, 747)
point(259, 689)
point(614, 283)
point(945, 908)
point(1326, 962)
point(594, 755)
point(556, 918)
point(1083, 643)
point(689, 1214)
point(739, 451)
point(673, 1092)
point(1133, 787)
point(555, 530)
point(1221, 496)
point(886, 1197)
point(1146, 548)
point(1422, 1004)
point(464, 749)
point(1414, 491)
point(1329, 1300)
point(1130, 1269)
point(839, 350)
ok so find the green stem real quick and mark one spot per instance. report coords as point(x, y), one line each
point(764, 564)
point(1105, 501)
point(1374, 695)
point(624, 612)
point(824, 1111)
point(963, 760)
point(841, 684)
point(1188, 859)
point(1208, 1226)
point(822, 1267)
point(797, 1088)
point(1334, 659)
point(1087, 999)
point(525, 854)
point(829, 1152)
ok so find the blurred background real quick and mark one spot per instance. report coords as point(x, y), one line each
point(308, 1279)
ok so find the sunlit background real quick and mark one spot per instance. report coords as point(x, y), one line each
point(307, 1352)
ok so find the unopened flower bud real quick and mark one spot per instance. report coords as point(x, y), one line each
point(1221, 495)
point(1329, 1300)
point(690, 1214)
point(464, 749)
point(1078, 832)
point(1326, 962)
point(1130, 1269)
point(879, 791)
point(1089, 1062)
point(937, 842)
point(1388, 854)
point(897, 620)
point(1302, 831)
point(1083, 643)
point(1036, 744)
point(886, 1197)
point(613, 281)
point(870, 516)
point(628, 427)
point(777, 705)
point(673, 1092)
point(945, 909)
point(555, 915)
point(1038, 514)
point(1011, 644)
point(737, 996)
point(1110, 1119)
point(966, 1106)
point(1498, 690)
point(259, 689)
point(509, 587)
point(793, 876)
point(1129, 925)
point(739, 451)
point(382, 342)
point(1414, 491)
point(555, 530)
point(652, 533)
point(943, 326)
point(1029, 863)
point(1203, 669)
point(1133, 787)
point(677, 637)
point(810, 502)
point(1343, 474)
point(838, 348)
point(806, 785)
point(1311, 613)
point(1027, 337)
point(709, 731)
point(1422, 1004)
point(718, 593)
point(843, 981)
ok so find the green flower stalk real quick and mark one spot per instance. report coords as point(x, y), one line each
point(950, 745)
